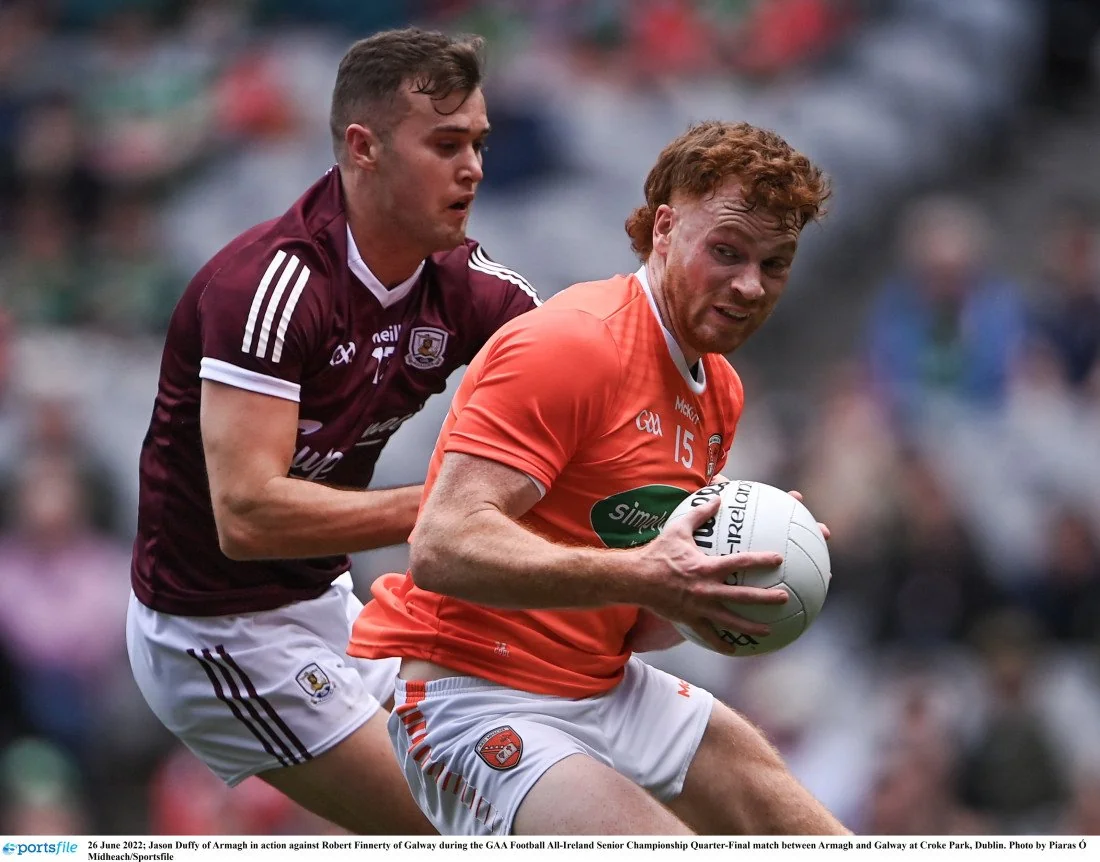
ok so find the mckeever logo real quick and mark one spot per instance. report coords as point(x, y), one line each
point(634, 517)
point(687, 410)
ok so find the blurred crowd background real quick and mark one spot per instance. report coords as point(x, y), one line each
point(931, 381)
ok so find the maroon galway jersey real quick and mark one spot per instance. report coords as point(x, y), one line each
point(289, 309)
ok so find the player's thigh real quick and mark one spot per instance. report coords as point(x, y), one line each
point(654, 723)
point(737, 784)
point(356, 784)
point(472, 750)
point(581, 796)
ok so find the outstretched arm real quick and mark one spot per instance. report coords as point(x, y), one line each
point(260, 512)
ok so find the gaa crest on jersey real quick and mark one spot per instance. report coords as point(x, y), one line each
point(501, 748)
point(714, 452)
point(315, 682)
point(426, 346)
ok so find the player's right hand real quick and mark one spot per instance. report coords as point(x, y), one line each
point(681, 583)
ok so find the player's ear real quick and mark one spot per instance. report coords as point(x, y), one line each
point(362, 145)
point(663, 221)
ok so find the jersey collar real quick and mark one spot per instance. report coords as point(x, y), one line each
point(697, 386)
point(385, 296)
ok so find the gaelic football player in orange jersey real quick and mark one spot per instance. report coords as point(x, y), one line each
point(538, 559)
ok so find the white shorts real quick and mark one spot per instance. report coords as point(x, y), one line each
point(471, 749)
point(252, 692)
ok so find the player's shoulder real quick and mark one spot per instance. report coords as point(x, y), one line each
point(265, 261)
point(469, 264)
point(723, 378)
point(719, 366)
point(557, 340)
point(257, 247)
point(580, 316)
point(550, 349)
point(603, 299)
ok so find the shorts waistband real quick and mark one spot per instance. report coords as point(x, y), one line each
point(450, 684)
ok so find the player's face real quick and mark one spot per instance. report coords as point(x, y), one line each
point(725, 267)
point(431, 167)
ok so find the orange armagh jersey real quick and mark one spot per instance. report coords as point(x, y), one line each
point(589, 396)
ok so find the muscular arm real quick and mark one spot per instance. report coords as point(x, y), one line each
point(467, 544)
point(260, 512)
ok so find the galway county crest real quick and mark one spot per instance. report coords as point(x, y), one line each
point(426, 346)
point(315, 682)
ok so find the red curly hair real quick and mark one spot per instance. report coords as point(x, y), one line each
point(775, 177)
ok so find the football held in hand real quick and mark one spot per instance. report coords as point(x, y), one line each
point(758, 517)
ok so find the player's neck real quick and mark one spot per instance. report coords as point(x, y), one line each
point(655, 275)
point(382, 249)
point(389, 266)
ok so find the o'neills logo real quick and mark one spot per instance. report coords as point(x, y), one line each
point(735, 505)
point(634, 517)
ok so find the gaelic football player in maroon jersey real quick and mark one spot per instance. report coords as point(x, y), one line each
point(292, 357)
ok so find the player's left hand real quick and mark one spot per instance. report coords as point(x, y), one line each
point(824, 530)
point(652, 632)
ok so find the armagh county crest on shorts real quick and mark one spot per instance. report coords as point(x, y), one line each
point(426, 346)
point(315, 682)
point(501, 748)
point(714, 452)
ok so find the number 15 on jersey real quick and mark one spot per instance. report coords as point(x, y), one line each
point(684, 453)
point(381, 354)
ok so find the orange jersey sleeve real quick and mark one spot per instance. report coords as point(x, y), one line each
point(532, 405)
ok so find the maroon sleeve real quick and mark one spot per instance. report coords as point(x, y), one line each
point(261, 317)
point(497, 293)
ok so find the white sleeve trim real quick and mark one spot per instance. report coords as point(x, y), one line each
point(541, 487)
point(479, 262)
point(232, 375)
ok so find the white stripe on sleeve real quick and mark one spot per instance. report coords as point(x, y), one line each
point(273, 303)
point(284, 321)
point(258, 299)
point(479, 262)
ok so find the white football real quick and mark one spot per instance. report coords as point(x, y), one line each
point(757, 517)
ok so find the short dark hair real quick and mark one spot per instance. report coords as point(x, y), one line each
point(374, 71)
point(775, 177)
